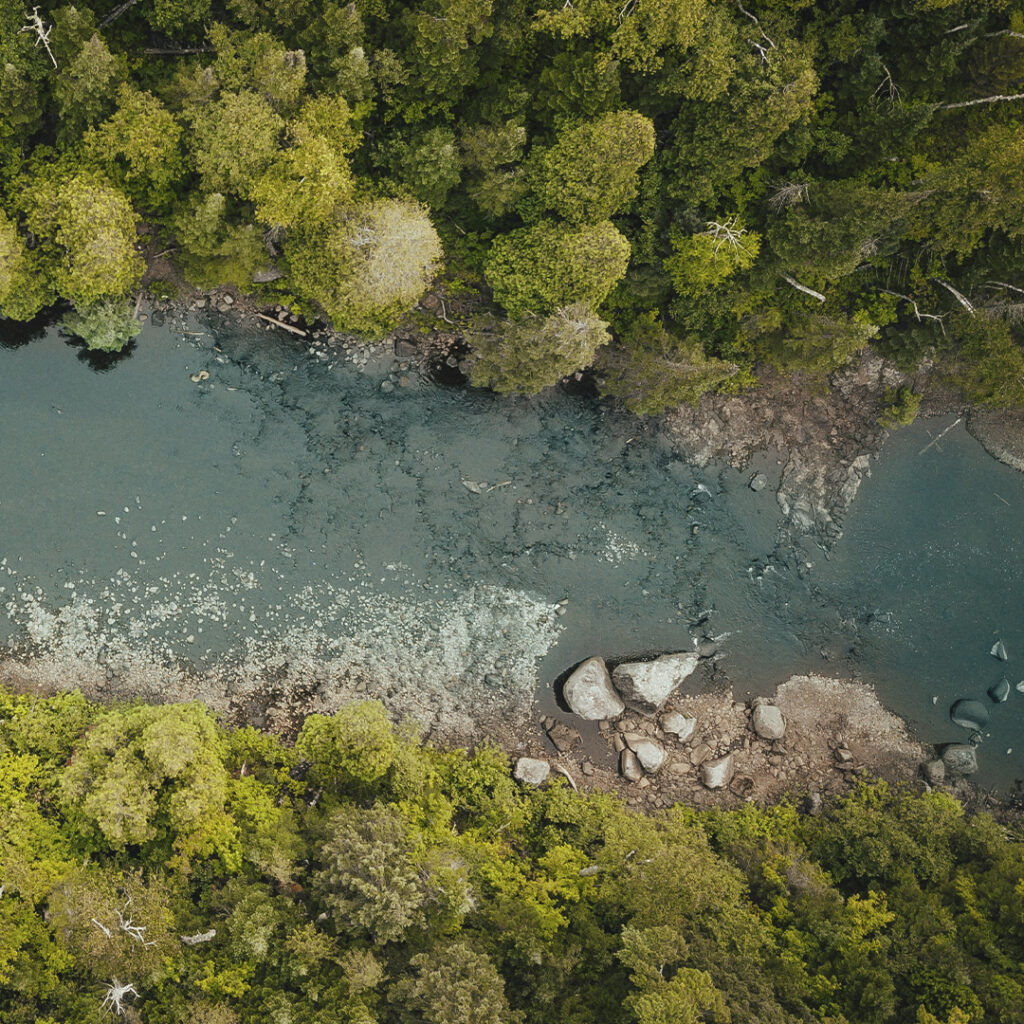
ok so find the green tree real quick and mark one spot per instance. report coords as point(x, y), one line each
point(368, 266)
point(139, 148)
point(105, 326)
point(651, 371)
point(24, 288)
point(234, 141)
point(452, 984)
point(428, 163)
point(86, 88)
point(526, 356)
point(591, 171)
point(218, 245)
point(541, 268)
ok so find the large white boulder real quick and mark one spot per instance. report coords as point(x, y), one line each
point(678, 725)
point(532, 770)
point(648, 684)
point(590, 694)
point(768, 722)
point(718, 774)
point(649, 752)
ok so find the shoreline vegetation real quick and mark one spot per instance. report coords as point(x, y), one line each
point(681, 195)
point(162, 867)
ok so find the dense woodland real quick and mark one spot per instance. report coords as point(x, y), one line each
point(676, 192)
point(158, 867)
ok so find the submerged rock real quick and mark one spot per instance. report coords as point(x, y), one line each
point(531, 770)
point(999, 651)
point(648, 684)
point(969, 714)
point(960, 759)
point(650, 753)
point(718, 774)
point(678, 725)
point(758, 482)
point(998, 692)
point(768, 722)
point(590, 694)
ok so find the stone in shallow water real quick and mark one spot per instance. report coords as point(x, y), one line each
point(649, 684)
point(768, 722)
point(960, 759)
point(531, 770)
point(758, 482)
point(589, 693)
point(999, 651)
point(998, 692)
point(970, 714)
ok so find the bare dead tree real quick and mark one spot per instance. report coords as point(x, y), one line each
point(176, 51)
point(802, 287)
point(729, 233)
point(938, 317)
point(890, 89)
point(117, 12)
point(761, 48)
point(787, 194)
point(984, 99)
point(134, 931)
point(35, 24)
point(195, 940)
point(102, 927)
point(116, 995)
point(962, 299)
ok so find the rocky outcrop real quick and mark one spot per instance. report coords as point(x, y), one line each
point(531, 770)
point(718, 774)
point(768, 722)
point(590, 694)
point(678, 725)
point(648, 684)
point(960, 759)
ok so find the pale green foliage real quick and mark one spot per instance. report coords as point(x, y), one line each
point(138, 146)
point(682, 996)
point(23, 288)
point(369, 882)
point(91, 226)
point(105, 326)
point(368, 266)
point(988, 361)
point(258, 63)
point(541, 268)
point(234, 141)
point(19, 100)
point(900, 410)
point(651, 371)
point(452, 984)
point(702, 261)
point(85, 89)
point(331, 118)
point(217, 248)
point(72, 28)
point(488, 153)
point(174, 16)
point(355, 746)
point(139, 772)
point(591, 171)
point(428, 164)
point(523, 357)
point(91, 909)
point(821, 344)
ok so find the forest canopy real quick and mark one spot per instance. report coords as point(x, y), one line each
point(156, 866)
point(725, 185)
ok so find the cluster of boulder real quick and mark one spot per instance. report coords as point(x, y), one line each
point(649, 732)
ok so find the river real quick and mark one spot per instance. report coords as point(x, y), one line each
point(470, 548)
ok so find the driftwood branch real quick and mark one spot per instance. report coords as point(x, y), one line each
point(175, 51)
point(936, 440)
point(803, 288)
point(280, 323)
point(962, 299)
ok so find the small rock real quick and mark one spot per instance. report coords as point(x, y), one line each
point(586, 768)
point(934, 772)
point(564, 736)
point(228, 300)
point(843, 756)
point(678, 725)
point(768, 722)
point(618, 743)
point(999, 651)
point(758, 482)
point(590, 694)
point(650, 753)
point(648, 684)
point(960, 759)
point(813, 804)
point(629, 766)
point(706, 648)
point(700, 754)
point(386, 386)
point(998, 692)
point(531, 770)
point(1020, 687)
point(969, 714)
point(718, 773)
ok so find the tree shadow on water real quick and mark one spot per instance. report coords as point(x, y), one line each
point(16, 333)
